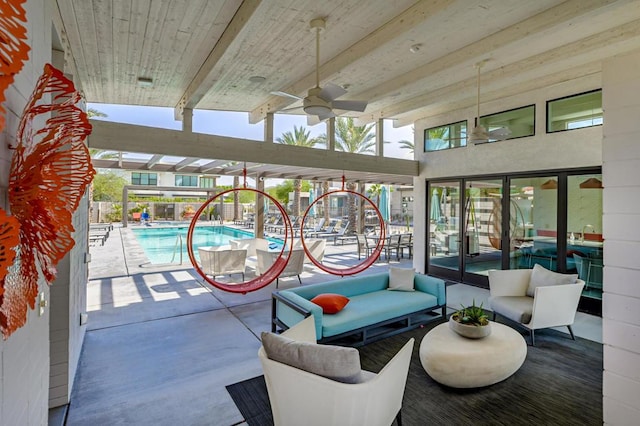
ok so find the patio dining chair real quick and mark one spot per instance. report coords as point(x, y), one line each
point(363, 245)
point(392, 243)
point(406, 243)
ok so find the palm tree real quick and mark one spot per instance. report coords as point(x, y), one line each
point(236, 199)
point(103, 154)
point(326, 205)
point(374, 191)
point(439, 138)
point(299, 137)
point(95, 113)
point(354, 139)
point(408, 145)
point(357, 140)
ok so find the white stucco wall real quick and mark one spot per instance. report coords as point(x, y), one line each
point(621, 295)
point(562, 150)
point(24, 357)
point(68, 302)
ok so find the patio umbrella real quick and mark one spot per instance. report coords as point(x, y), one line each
point(443, 203)
point(436, 210)
point(385, 204)
point(312, 210)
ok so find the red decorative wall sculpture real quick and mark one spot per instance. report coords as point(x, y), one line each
point(13, 47)
point(50, 171)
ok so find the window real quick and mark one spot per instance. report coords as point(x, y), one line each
point(185, 180)
point(520, 122)
point(207, 182)
point(575, 112)
point(445, 137)
point(138, 178)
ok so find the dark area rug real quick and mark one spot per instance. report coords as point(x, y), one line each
point(560, 383)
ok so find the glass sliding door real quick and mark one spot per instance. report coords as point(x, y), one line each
point(552, 219)
point(483, 226)
point(584, 231)
point(444, 229)
point(533, 230)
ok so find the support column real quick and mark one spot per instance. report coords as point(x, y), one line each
point(331, 134)
point(361, 204)
point(187, 120)
point(268, 128)
point(258, 225)
point(125, 200)
point(380, 137)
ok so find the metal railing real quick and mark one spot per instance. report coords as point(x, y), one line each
point(179, 245)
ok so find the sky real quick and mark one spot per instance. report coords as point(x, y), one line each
point(236, 124)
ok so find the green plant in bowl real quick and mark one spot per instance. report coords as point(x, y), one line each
point(471, 315)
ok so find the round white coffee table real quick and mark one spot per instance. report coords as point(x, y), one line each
point(460, 362)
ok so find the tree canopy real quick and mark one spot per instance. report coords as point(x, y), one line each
point(108, 186)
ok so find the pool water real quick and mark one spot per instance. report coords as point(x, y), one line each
point(160, 245)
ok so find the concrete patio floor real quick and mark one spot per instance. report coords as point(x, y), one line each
point(161, 346)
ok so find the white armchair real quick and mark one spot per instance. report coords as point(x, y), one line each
point(301, 398)
point(222, 262)
point(316, 247)
point(250, 244)
point(552, 305)
point(294, 267)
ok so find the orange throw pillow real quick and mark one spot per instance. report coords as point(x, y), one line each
point(331, 303)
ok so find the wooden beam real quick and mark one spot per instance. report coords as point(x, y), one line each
point(153, 161)
point(203, 81)
point(216, 164)
point(401, 24)
point(553, 59)
point(184, 163)
point(472, 52)
point(133, 138)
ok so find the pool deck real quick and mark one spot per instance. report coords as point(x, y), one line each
point(161, 346)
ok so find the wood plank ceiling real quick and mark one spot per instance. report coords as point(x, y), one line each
point(202, 54)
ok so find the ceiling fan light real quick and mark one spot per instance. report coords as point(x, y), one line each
point(317, 109)
point(479, 135)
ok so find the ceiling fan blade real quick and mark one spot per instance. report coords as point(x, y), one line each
point(331, 92)
point(290, 109)
point(500, 133)
point(286, 95)
point(350, 105)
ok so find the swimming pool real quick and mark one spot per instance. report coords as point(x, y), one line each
point(160, 244)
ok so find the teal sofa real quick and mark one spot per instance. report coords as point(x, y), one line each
point(373, 311)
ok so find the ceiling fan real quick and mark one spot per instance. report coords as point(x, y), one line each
point(321, 101)
point(480, 134)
